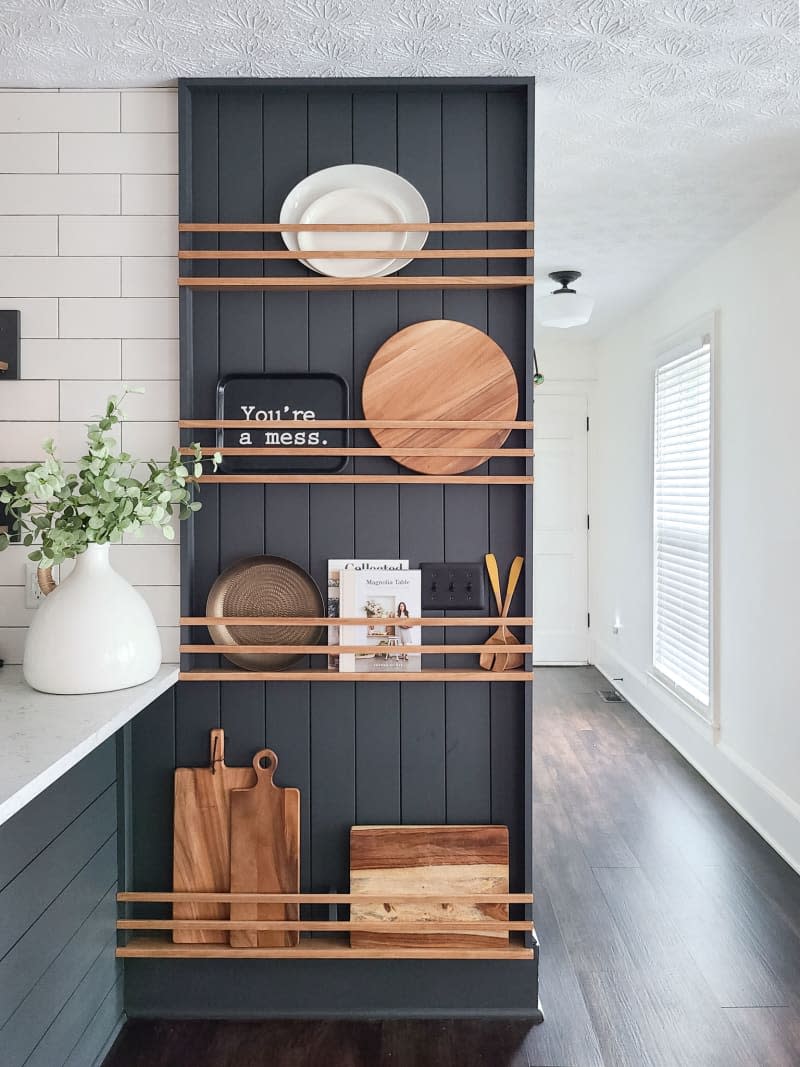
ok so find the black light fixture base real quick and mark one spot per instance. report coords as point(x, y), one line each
point(564, 278)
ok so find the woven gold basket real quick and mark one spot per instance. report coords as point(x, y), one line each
point(265, 586)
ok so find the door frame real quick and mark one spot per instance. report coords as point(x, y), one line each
point(583, 388)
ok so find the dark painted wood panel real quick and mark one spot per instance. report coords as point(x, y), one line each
point(242, 347)
point(153, 760)
point(25, 835)
point(47, 998)
point(376, 508)
point(70, 1023)
point(57, 911)
point(39, 946)
point(101, 1029)
point(26, 896)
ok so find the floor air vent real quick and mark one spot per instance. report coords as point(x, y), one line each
point(611, 696)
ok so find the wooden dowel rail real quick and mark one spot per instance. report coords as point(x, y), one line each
point(335, 946)
point(168, 897)
point(355, 227)
point(365, 253)
point(335, 650)
point(321, 674)
point(332, 450)
point(311, 620)
point(355, 424)
point(364, 479)
point(311, 282)
point(330, 926)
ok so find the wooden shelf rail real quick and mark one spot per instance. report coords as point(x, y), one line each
point(336, 946)
point(311, 282)
point(168, 897)
point(362, 253)
point(332, 450)
point(335, 650)
point(321, 674)
point(356, 227)
point(356, 424)
point(336, 285)
point(328, 926)
point(321, 948)
point(364, 479)
point(323, 620)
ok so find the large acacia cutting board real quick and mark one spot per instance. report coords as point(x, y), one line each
point(440, 369)
point(201, 837)
point(265, 852)
point(428, 859)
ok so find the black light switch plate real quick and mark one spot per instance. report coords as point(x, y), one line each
point(452, 586)
point(9, 345)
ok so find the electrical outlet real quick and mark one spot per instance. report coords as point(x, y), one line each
point(33, 593)
point(452, 586)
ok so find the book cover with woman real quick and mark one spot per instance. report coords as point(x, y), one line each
point(385, 601)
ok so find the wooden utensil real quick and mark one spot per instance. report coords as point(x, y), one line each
point(201, 837)
point(487, 659)
point(265, 852)
point(510, 660)
point(502, 661)
point(428, 859)
point(440, 370)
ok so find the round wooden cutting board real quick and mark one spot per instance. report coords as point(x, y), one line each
point(440, 370)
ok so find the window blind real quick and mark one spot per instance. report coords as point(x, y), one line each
point(682, 524)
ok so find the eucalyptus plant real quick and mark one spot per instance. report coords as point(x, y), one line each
point(63, 512)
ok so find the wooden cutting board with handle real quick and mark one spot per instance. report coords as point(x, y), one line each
point(201, 837)
point(428, 859)
point(265, 852)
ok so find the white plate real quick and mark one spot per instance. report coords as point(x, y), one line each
point(374, 180)
point(351, 205)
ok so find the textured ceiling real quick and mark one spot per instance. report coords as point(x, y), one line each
point(663, 125)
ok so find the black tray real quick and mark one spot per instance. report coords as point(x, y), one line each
point(282, 396)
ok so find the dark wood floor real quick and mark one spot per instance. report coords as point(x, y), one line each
point(670, 931)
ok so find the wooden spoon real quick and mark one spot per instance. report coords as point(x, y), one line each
point(511, 660)
point(489, 659)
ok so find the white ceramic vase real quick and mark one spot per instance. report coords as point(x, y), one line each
point(94, 633)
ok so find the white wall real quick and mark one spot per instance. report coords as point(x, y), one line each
point(88, 239)
point(752, 284)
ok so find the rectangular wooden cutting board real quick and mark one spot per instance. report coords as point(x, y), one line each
point(265, 853)
point(455, 860)
point(201, 837)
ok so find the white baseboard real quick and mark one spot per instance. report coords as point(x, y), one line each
point(767, 808)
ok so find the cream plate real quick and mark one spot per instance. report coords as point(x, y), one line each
point(351, 205)
point(377, 182)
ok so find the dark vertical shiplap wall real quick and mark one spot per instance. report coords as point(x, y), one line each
point(60, 985)
point(415, 753)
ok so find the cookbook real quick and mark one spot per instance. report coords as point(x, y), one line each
point(383, 599)
point(335, 568)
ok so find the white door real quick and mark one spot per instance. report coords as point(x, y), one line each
point(560, 503)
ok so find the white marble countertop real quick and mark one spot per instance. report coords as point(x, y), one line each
point(42, 736)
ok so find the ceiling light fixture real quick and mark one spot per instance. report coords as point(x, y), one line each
point(564, 307)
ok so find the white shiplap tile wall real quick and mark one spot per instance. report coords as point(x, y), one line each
point(88, 239)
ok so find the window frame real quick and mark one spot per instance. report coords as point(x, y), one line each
point(681, 343)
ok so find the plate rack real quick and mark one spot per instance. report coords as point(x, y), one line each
point(219, 674)
point(215, 674)
point(430, 754)
point(377, 451)
point(334, 944)
point(319, 283)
